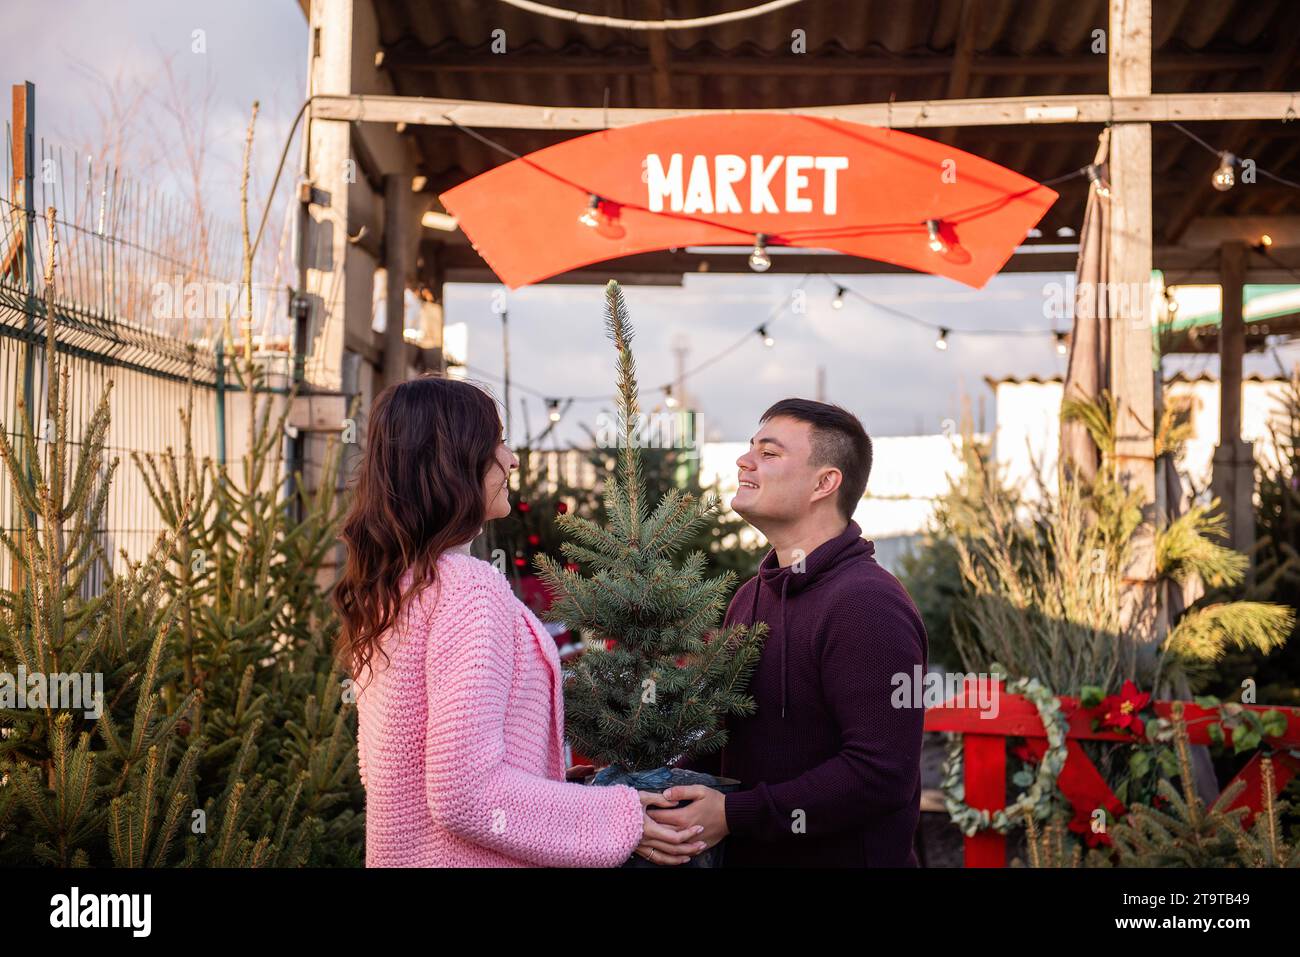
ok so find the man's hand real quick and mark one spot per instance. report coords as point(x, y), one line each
point(578, 772)
point(707, 811)
point(660, 843)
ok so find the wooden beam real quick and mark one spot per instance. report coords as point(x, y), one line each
point(397, 264)
point(1232, 266)
point(1133, 370)
point(918, 114)
point(1233, 477)
point(1185, 266)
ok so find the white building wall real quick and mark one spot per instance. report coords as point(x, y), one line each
point(1027, 436)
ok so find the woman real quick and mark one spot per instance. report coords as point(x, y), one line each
point(459, 699)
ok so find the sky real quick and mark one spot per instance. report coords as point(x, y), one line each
point(85, 56)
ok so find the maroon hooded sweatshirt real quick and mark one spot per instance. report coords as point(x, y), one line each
point(830, 770)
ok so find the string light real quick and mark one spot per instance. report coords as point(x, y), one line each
point(553, 409)
point(671, 401)
point(1094, 177)
point(1171, 304)
point(1228, 160)
point(588, 217)
point(1223, 178)
point(759, 260)
point(838, 301)
point(937, 243)
point(1061, 347)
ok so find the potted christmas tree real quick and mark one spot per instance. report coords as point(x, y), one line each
point(656, 680)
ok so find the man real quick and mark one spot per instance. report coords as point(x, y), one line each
point(829, 768)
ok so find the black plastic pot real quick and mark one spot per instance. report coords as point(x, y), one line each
point(658, 781)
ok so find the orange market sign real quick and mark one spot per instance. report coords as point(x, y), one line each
point(765, 179)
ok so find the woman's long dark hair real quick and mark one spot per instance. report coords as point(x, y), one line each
point(419, 491)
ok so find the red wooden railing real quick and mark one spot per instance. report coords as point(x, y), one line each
point(985, 757)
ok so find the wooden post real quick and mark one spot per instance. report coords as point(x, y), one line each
point(1233, 479)
point(1133, 360)
point(397, 261)
point(22, 255)
point(1232, 340)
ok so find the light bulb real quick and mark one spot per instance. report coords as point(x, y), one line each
point(553, 409)
point(670, 400)
point(766, 337)
point(937, 243)
point(759, 260)
point(942, 342)
point(838, 301)
point(1266, 240)
point(1223, 178)
point(588, 217)
point(1094, 177)
point(1061, 347)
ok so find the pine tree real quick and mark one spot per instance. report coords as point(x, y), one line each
point(1186, 833)
point(720, 535)
point(1042, 578)
point(654, 686)
point(224, 737)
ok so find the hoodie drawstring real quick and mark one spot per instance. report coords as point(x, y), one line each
point(753, 617)
point(785, 645)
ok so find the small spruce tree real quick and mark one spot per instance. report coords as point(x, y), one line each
point(656, 689)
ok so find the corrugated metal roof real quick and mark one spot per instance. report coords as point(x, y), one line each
point(858, 51)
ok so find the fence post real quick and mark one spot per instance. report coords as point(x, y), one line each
point(221, 401)
point(24, 103)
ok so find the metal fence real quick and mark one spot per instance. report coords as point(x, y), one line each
point(142, 289)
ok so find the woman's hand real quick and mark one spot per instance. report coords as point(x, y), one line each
point(661, 844)
point(578, 772)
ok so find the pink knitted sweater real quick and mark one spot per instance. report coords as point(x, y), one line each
point(461, 740)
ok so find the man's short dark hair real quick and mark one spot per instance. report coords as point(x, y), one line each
point(838, 440)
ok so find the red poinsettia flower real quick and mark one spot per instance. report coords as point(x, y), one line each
point(1120, 711)
point(1022, 752)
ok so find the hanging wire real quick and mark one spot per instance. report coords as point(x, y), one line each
point(1222, 153)
point(692, 23)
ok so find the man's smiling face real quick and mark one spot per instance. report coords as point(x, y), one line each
point(776, 478)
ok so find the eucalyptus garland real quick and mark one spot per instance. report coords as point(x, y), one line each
point(1040, 794)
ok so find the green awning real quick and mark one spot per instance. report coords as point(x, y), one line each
point(1202, 305)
